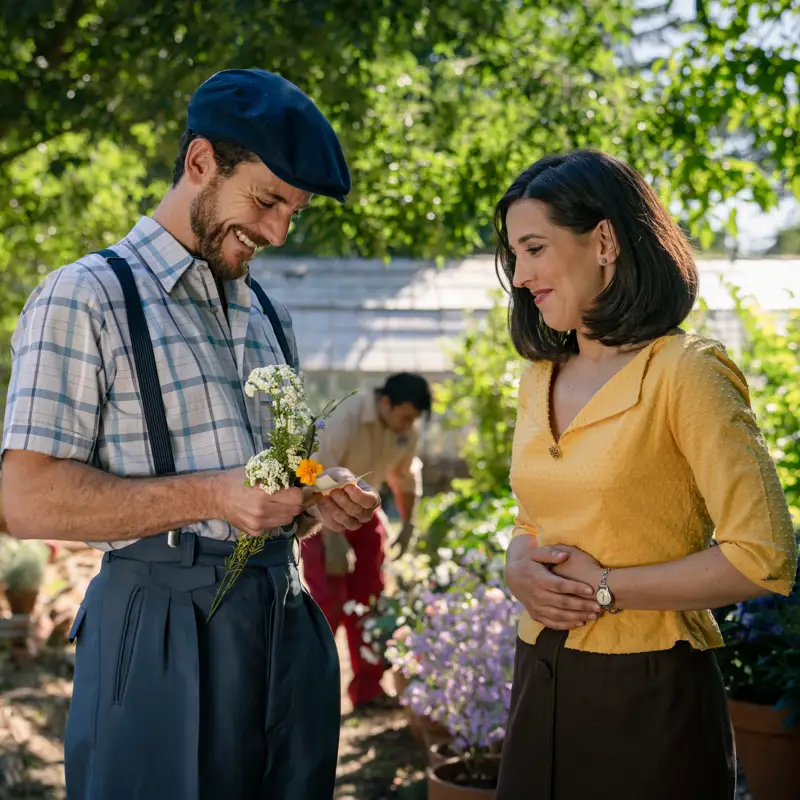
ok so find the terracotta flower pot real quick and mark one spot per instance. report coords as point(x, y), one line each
point(440, 752)
point(21, 601)
point(414, 726)
point(432, 731)
point(768, 751)
point(423, 730)
point(450, 781)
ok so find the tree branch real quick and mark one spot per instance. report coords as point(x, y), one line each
point(52, 49)
point(672, 23)
point(6, 158)
point(702, 14)
point(654, 11)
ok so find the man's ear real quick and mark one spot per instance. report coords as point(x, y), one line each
point(200, 167)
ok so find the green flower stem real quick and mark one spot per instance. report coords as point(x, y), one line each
point(235, 563)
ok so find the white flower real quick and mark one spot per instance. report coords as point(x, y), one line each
point(370, 656)
point(280, 382)
point(442, 574)
point(267, 472)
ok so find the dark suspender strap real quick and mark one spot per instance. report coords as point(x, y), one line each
point(269, 310)
point(145, 362)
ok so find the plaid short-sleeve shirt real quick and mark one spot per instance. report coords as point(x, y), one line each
point(74, 394)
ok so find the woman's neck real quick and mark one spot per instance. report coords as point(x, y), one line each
point(598, 353)
point(593, 350)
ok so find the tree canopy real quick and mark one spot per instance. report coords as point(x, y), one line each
point(438, 106)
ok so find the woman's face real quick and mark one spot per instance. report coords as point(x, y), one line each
point(562, 271)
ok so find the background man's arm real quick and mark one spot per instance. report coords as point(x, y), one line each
point(405, 481)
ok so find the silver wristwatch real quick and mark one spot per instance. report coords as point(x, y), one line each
point(604, 597)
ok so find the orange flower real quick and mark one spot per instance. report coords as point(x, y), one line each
point(308, 471)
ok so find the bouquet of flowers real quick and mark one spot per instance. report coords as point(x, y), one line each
point(286, 462)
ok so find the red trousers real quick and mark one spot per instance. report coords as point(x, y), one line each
point(331, 592)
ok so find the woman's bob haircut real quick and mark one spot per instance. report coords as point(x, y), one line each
point(655, 280)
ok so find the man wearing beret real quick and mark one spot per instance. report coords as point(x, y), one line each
point(127, 427)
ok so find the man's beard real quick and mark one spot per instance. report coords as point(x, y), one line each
point(210, 234)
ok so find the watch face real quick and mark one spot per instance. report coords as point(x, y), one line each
point(604, 597)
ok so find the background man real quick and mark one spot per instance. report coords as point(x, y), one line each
point(371, 433)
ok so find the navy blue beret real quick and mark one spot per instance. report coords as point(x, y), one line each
point(272, 118)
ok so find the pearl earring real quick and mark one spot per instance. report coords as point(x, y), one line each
point(604, 261)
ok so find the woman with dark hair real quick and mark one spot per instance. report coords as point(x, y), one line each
point(634, 445)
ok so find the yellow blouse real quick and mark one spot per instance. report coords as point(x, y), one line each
point(664, 452)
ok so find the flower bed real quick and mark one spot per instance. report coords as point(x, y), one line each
point(459, 660)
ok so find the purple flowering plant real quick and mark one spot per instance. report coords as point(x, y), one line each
point(412, 579)
point(474, 545)
point(760, 662)
point(459, 659)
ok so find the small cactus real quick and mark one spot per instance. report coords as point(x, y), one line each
point(22, 563)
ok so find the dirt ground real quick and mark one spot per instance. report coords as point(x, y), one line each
point(378, 758)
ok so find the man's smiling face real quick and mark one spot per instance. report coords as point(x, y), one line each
point(233, 215)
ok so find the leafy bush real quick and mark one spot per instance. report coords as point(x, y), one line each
point(761, 660)
point(771, 362)
point(482, 398)
point(468, 519)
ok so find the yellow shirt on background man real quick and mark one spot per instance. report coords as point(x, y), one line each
point(355, 438)
point(665, 453)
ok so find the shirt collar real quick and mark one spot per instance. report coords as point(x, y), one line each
point(621, 392)
point(166, 257)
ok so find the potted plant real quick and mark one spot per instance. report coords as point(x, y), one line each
point(459, 658)
point(440, 751)
point(22, 565)
point(761, 669)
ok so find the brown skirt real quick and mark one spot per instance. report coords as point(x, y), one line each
point(646, 726)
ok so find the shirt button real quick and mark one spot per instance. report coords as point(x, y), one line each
point(555, 451)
